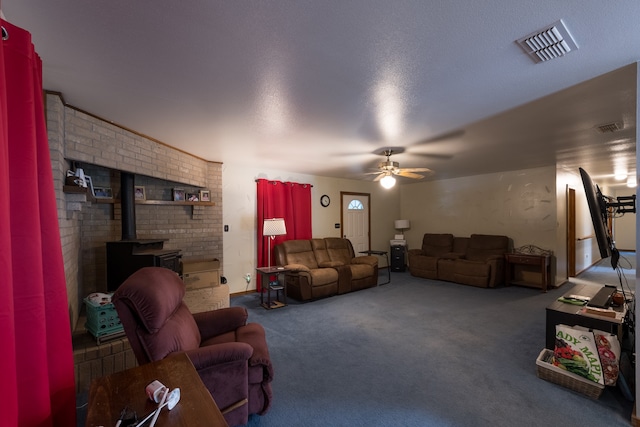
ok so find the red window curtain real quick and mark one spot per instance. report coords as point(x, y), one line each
point(288, 200)
point(35, 334)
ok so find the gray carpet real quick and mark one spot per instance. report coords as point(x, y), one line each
point(417, 352)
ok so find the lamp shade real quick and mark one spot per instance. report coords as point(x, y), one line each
point(402, 224)
point(274, 227)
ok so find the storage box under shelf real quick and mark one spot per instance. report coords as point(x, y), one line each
point(549, 372)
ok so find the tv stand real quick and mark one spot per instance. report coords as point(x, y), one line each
point(569, 314)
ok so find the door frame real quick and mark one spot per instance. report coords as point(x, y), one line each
point(342, 207)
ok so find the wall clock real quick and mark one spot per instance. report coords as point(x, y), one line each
point(324, 200)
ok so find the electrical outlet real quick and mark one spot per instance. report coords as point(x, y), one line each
point(247, 277)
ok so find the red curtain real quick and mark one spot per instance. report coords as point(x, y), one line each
point(36, 359)
point(288, 200)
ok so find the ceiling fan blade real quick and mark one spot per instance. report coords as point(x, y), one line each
point(379, 177)
point(432, 155)
point(443, 137)
point(409, 174)
point(416, 170)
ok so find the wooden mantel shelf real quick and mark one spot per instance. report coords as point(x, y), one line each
point(172, 202)
point(155, 202)
point(72, 189)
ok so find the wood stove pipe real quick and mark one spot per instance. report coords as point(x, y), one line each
point(128, 206)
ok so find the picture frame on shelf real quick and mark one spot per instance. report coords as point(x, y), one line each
point(140, 193)
point(178, 195)
point(205, 196)
point(193, 197)
point(102, 193)
point(89, 182)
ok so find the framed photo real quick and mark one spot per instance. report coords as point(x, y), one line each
point(89, 182)
point(193, 197)
point(205, 196)
point(140, 193)
point(102, 193)
point(178, 195)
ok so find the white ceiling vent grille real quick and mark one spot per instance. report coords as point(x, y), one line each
point(551, 42)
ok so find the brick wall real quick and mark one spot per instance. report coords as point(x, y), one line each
point(103, 150)
point(68, 219)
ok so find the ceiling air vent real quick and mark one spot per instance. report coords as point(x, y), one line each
point(609, 127)
point(549, 43)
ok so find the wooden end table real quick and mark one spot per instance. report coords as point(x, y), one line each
point(265, 273)
point(110, 394)
point(541, 262)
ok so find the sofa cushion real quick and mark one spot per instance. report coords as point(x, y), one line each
point(482, 247)
point(436, 244)
point(460, 245)
point(300, 252)
point(473, 273)
point(339, 249)
point(323, 276)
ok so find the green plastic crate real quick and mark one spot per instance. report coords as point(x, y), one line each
point(102, 319)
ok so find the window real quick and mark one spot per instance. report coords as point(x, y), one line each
point(355, 205)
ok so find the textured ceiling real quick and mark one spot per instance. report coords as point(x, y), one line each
point(319, 87)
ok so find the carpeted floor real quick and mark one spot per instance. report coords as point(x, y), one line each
point(417, 352)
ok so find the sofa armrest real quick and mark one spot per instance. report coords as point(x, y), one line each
point(365, 259)
point(216, 354)
point(216, 322)
point(297, 268)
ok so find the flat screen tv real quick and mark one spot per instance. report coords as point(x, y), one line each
point(598, 208)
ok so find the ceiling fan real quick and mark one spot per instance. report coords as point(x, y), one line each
point(389, 168)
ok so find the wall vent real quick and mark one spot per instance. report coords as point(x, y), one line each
point(609, 127)
point(548, 43)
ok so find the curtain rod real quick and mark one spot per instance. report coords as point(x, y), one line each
point(284, 182)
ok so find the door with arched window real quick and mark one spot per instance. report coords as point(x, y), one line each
point(356, 219)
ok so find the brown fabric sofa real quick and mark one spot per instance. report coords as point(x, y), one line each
point(477, 260)
point(324, 267)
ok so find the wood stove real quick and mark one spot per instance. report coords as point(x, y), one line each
point(126, 256)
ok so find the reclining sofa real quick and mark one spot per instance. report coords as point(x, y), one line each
point(321, 268)
point(477, 260)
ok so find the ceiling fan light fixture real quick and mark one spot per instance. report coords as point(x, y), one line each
point(388, 181)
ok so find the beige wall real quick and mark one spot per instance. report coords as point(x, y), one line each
point(520, 204)
point(624, 227)
point(239, 213)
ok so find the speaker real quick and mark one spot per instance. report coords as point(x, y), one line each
point(398, 258)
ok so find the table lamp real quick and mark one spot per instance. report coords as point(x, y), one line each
point(401, 224)
point(271, 228)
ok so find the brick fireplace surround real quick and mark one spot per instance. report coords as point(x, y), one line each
point(103, 150)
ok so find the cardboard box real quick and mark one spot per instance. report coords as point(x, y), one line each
point(201, 274)
point(207, 299)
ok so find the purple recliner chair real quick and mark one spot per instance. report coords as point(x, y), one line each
point(230, 355)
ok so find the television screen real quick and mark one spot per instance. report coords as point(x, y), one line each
point(598, 208)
